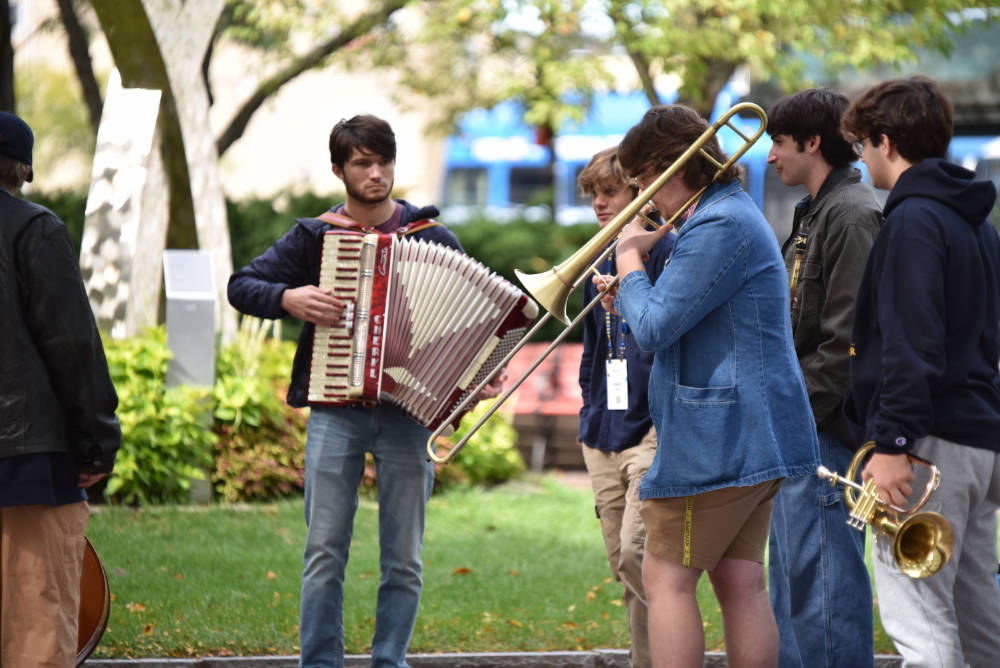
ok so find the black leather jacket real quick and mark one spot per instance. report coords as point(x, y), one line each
point(56, 394)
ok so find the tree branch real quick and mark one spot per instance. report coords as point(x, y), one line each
point(79, 52)
point(268, 87)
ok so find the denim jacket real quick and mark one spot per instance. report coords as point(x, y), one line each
point(726, 392)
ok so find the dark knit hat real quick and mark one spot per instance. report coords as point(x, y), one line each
point(16, 139)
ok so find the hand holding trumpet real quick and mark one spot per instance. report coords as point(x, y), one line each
point(893, 475)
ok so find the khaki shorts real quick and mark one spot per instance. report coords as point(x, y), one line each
point(697, 531)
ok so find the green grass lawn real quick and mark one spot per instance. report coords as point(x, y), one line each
point(520, 567)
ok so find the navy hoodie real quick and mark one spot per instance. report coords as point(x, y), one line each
point(927, 318)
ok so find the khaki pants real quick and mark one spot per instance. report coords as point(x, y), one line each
point(615, 477)
point(41, 557)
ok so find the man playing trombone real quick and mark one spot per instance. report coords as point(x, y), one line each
point(726, 392)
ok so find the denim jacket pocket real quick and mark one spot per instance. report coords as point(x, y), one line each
point(706, 395)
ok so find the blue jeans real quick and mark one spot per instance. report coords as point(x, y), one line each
point(819, 586)
point(338, 438)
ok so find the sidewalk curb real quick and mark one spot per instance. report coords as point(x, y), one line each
point(602, 658)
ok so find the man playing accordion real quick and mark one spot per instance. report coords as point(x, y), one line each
point(284, 281)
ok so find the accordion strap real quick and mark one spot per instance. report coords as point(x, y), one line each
point(352, 225)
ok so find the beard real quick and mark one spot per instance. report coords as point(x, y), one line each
point(359, 195)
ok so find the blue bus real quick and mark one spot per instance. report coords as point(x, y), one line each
point(496, 167)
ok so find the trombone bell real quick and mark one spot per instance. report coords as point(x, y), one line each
point(548, 289)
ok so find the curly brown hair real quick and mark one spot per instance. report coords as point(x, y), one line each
point(911, 112)
point(663, 134)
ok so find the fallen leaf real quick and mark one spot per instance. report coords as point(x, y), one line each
point(178, 576)
point(514, 573)
point(135, 607)
point(462, 570)
point(570, 625)
point(148, 629)
point(271, 575)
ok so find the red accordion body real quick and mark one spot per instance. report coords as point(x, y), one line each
point(424, 325)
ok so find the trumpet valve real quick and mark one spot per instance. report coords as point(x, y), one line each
point(865, 506)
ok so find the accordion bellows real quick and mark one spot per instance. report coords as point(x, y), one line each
point(424, 325)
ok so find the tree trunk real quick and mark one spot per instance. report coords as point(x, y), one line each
point(6, 60)
point(79, 52)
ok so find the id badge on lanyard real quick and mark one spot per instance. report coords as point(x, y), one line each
point(617, 372)
point(616, 367)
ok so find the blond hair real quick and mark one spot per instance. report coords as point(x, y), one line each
point(603, 168)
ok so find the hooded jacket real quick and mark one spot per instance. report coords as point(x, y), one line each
point(927, 317)
point(293, 261)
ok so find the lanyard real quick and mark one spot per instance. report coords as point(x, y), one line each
point(612, 322)
point(800, 251)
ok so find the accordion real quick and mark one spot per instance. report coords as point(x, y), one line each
point(423, 326)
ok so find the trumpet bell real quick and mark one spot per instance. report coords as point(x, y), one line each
point(923, 544)
point(548, 289)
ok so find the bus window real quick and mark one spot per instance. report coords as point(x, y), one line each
point(466, 187)
point(578, 198)
point(528, 184)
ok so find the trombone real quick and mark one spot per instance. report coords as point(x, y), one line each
point(922, 543)
point(553, 288)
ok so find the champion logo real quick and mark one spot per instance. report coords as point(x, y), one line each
point(901, 441)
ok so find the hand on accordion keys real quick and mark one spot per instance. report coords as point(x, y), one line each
point(313, 304)
point(495, 386)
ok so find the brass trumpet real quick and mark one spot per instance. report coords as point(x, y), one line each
point(553, 288)
point(922, 542)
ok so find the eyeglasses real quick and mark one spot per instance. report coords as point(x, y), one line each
point(646, 177)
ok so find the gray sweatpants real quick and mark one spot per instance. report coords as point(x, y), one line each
point(950, 619)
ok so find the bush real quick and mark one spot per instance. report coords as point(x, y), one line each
point(532, 247)
point(491, 455)
point(260, 453)
point(70, 206)
point(166, 435)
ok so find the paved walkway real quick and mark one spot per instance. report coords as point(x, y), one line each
point(612, 658)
